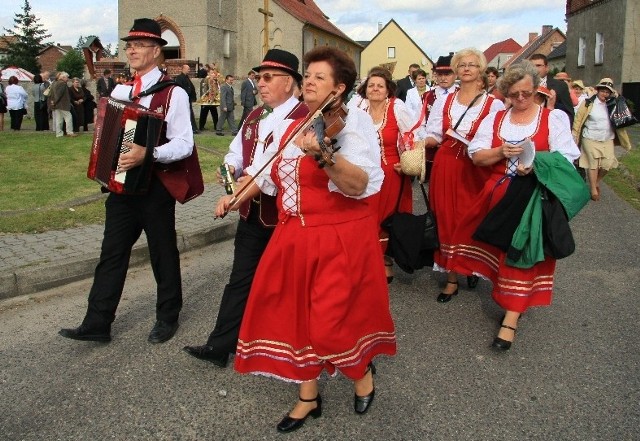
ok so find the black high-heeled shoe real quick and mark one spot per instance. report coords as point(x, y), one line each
point(444, 297)
point(500, 343)
point(289, 424)
point(361, 404)
point(472, 281)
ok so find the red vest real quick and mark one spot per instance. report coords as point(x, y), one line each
point(268, 210)
point(183, 178)
point(540, 137)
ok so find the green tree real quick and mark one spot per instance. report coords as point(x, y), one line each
point(29, 40)
point(72, 63)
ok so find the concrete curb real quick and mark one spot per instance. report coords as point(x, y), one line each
point(46, 275)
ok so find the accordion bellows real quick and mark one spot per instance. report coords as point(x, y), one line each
point(119, 122)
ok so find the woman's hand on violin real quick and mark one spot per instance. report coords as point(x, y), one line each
point(224, 206)
point(510, 150)
point(308, 143)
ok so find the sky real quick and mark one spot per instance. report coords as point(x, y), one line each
point(437, 26)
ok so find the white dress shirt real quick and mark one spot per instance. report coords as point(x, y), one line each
point(178, 117)
point(265, 127)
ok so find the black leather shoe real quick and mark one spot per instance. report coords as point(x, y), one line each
point(208, 353)
point(361, 404)
point(83, 332)
point(289, 424)
point(500, 343)
point(472, 281)
point(163, 331)
point(444, 298)
point(219, 133)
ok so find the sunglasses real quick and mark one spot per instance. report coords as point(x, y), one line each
point(267, 77)
point(523, 94)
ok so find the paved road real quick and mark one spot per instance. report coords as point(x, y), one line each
point(571, 375)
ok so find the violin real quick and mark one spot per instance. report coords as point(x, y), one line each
point(327, 121)
point(327, 126)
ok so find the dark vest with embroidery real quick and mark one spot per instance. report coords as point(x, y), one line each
point(268, 214)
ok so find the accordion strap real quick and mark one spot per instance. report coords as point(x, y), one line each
point(155, 88)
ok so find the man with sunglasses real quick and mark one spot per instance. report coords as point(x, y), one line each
point(277, 78)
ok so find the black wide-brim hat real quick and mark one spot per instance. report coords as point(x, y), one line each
point(145, 28)
point(444, 63)
point(280, 59)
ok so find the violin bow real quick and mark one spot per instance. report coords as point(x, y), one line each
point(306, 122)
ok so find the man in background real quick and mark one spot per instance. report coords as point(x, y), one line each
point(184, 81)
point(105, 84)
point(407, 82)
point(226, 106)
point(248, 92)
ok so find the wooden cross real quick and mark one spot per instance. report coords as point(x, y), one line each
point(267, 14)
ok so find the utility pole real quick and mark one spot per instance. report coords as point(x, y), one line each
point(265, 11)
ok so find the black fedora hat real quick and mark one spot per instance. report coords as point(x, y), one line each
point(145, 28)
point(280, 59)
point(444, 63)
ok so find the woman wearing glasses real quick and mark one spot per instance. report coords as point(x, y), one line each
point(319, 300)
point(497, 145)
point(455, 182)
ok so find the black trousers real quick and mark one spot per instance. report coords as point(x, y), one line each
point(41, 115)
point(16, 118)
point(126, 217)
point(204, 112)
point(250, 242)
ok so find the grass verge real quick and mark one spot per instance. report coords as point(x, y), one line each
point(43, 184)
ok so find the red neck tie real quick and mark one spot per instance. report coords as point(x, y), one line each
point(137, 86)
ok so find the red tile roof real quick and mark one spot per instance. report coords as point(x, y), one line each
point(509, 46)
point(308, 12)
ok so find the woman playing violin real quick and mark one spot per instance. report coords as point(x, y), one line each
point(319, 300)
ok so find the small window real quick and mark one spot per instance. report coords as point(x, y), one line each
point(391, 52)
point(581, 49)
point(226, 44)
point(599, 49)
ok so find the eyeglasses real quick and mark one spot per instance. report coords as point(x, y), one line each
point(469, 65)
point(523, 93)
point(267, 77)
point(137, 45)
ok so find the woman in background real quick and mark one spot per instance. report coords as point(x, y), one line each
point(16, 102)
point(40, 113)
point(594, 132)
point(515, 289)
point(392, 119)
point(76, 94)
point(455, 181)
point(416, 95)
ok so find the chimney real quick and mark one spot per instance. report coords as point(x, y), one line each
point(546, 28)
point(379, 26)
point(532, 36)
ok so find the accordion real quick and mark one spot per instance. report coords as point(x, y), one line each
point(119, 122)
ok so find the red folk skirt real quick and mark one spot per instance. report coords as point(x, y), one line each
point(317, 304)
point(454, 186)
point(514, 289)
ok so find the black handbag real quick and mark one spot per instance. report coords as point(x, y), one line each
point(621, 115)
point(412, 237)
